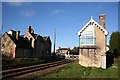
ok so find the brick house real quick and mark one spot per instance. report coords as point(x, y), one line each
point(41, 45)
point(62, 52)
point(92, 43)
point(29, 45)
point(14, 45)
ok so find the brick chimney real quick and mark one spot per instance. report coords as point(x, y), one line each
point(29, 29)
point(17, 34)
point(102, 20)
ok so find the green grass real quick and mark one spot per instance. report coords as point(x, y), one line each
point(74, 70)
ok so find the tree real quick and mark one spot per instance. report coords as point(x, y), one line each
point(69, 49)
point(75, 51)
point(115, 43)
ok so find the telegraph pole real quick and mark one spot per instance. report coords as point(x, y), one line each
point(1, 28)
point(54, 39)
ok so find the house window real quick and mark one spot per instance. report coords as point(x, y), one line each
point(30, 40)
point(3, 45)
point(87, 40)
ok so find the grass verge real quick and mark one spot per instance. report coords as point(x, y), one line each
point(74, 70)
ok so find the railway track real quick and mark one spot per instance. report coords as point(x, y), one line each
point(28, 69)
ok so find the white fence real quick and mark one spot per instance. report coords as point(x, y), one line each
point(74, 57)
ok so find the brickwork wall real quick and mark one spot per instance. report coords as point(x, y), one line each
point(100, 40)
point(91, 57)
point(7, 46)
point(29, 37)
point(40, 48)
point(23, 52)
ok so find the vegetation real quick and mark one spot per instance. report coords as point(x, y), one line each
point(114, 43)
point(74, 70)
point(7, 61)
point(75, 51)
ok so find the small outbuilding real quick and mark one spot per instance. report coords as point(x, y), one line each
point(92, 43)
point(62, 52)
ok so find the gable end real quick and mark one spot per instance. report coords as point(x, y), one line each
point(93, 22)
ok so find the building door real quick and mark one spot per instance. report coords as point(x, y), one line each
point(12, 52)
point(103, 61)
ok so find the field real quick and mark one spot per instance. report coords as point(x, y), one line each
point(74, 70)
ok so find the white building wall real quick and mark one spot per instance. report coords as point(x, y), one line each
point(87, 32)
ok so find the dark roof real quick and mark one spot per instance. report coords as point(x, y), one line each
point(21, 42)
point(45, 38)
point(12, 30)
point(34, 35)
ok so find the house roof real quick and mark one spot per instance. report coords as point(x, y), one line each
point(34, 35)
point(45, 38)
point(93, 23)
point(21, 42)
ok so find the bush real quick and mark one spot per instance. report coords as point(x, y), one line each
point(115, 44)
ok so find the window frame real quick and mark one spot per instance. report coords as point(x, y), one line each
point(87, 40)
